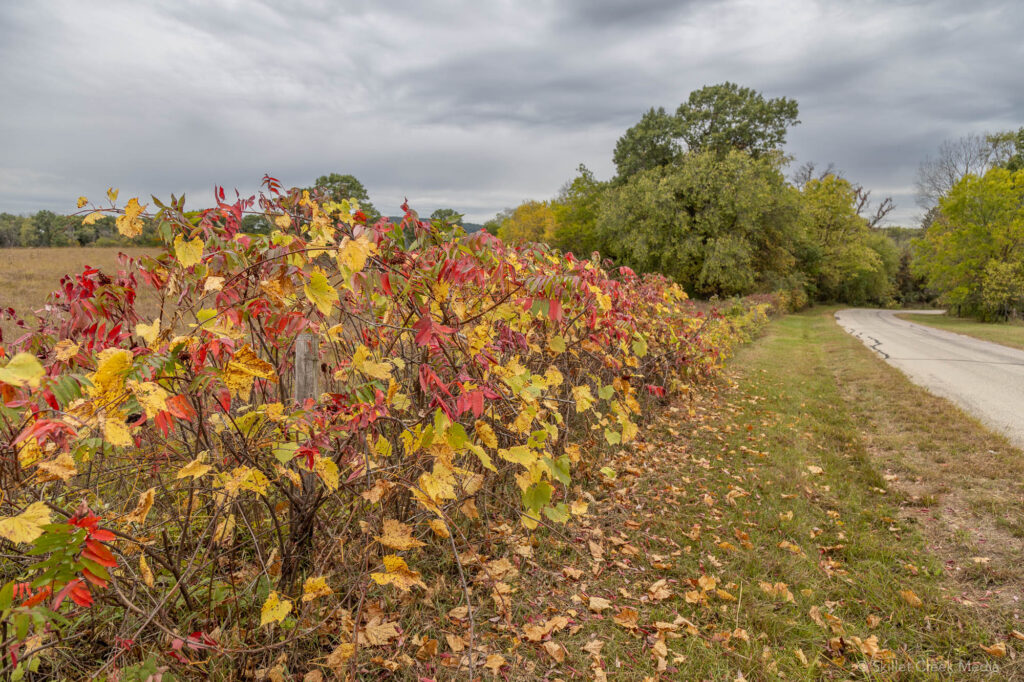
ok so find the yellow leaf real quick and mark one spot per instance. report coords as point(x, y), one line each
point(213, 284)
point(63, 467)
point(115, 431)
point(24, 369)
point(439, 528)
point(92, 218)
point(82, 201)
point(341, 653)
point(627, 617)
point(314, 588)
point(112, 194)
point(26, 526)
point(598, 604)
point(151, 396)
point(327, 470)
point(911, 598)
point(485, 434)
point(274, 609)
point(354, 252)
point(245, 366)
point(398, 535)
point(196, 469)
point(997, 650)
point(583, 397)
point(495, 662)
point(148, 333)
point(129, 224)
point(147, 574)
point(361, 362)
point(398, 574)
point(284, 221)
point(378, 634)
point(66, 350)
point(188, 253)
point(320, 292)
point(225, 530)
point(145, 503)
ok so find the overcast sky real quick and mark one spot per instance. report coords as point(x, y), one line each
point(475, 105)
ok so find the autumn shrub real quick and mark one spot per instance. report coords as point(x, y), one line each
point(182, 496)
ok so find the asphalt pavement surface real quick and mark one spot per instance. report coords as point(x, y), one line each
point(983, 378)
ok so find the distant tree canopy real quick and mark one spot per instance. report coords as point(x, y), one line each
point(720, 225)
point(716, 118)
point(337, 187)
point(446, 214)
point(700, 196)
point(973, 252)
point(531, 221)
point(724, 117)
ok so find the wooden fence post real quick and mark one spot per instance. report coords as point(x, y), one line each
point(303, 514)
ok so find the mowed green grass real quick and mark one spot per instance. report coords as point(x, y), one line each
point(796, 460)
point(27, 276)
point(1005, 333)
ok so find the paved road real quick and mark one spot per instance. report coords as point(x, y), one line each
point(983, 378)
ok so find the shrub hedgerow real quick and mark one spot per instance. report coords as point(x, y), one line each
point(170, 504)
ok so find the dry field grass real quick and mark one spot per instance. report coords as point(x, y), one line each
point(27, 276)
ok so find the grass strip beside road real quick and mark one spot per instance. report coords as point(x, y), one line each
point(1005, 333)
point(760, 530)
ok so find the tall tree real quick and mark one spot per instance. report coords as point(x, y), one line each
point(576, 209)
point(972, 154)
point(716, 224)
point(651, 143)
point(726, 116)
point(973, 252)
point(337, 187)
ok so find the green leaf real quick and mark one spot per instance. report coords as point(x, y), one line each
point(606, 392)
point(285, 452)
point(457, 436)
point(613, 437)
point(559, 469)
point(557, 344)
point(558, 513)
point(24, 369)
point(321, 293)
point(6, 596)
point(537, 495)
point(640, 347)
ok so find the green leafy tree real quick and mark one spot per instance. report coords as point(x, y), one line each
point(337, 187)
point(449, 215)
point(726, 116)
point(848, 262)
point(720, 225)
point(576, 210)
point(651, 143)
point(973, 252)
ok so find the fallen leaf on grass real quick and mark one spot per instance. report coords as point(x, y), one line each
point(997, 650)
point(598, 604)
point(627, 617)
point(911, 598)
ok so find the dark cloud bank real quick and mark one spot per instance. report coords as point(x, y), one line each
point(474, 105)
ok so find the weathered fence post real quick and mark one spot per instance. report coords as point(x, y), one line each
point(303, 512)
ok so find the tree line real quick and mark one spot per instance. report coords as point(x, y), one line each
point(701, 195)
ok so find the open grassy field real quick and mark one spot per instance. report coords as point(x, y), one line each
point(27, 276)
point(1006, 333)
point(821, 518)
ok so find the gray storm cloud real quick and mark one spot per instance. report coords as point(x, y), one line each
point(473, 105)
